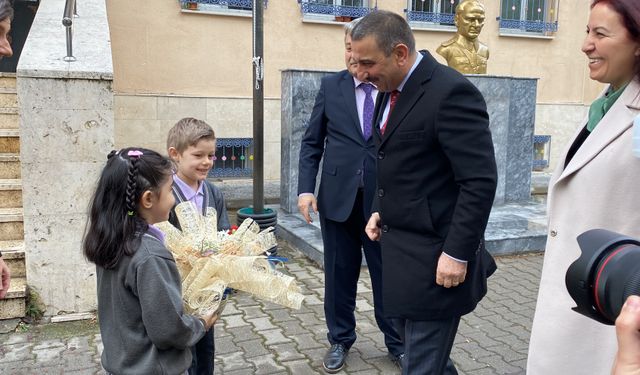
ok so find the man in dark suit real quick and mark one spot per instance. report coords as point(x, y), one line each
point(436, 180)
point(340, 129)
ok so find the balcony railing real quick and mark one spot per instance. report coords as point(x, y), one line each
point(430, 17)
point(228, 4)
point(529, 26)
point(321, 8)
point(233, 158)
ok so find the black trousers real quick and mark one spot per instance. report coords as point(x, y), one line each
point(344, 243)
point(202, 355)
point(427, 345)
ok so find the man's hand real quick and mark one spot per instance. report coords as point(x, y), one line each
point(450, 272)
point(304, 201)
point(628, 332)
point(373, 227)
point(6, 278)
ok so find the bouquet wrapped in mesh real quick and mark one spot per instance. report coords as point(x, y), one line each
point(209, 262)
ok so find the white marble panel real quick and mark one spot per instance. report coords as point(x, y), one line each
point(135, 107)
point(50, 135)
point(175, 108)
point(59, 187)
point(560, 121)
point(272, 160)
point(230, 117)
point(56, 267)
point(142, 133)
point(61, 94)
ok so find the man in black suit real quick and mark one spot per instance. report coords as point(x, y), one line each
point(436, 180)
point(340, 129)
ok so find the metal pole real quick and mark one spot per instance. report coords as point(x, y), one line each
point(258, 108)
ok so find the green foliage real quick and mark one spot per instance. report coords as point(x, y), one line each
point(34, 308)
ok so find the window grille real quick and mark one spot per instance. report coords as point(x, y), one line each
point(334, 10)
point(537, 17)
point(219, 6)
point(432, 12)
point(233, 158)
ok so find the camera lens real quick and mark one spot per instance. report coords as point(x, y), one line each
point(605, 274)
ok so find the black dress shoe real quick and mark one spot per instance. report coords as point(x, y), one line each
point(334, 359)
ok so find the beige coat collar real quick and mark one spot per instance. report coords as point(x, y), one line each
point(615, 122)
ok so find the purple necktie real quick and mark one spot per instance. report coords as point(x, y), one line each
point(367, 110)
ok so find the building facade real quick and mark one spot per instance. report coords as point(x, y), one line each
point(176, 58)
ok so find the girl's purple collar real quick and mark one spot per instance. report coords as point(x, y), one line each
point(157, 233)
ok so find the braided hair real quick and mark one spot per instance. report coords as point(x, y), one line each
point(114, 227)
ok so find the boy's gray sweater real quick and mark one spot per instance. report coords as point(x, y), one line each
point(143, 326)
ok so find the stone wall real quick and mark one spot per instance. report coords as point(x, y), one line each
point(66, 131)
point(144, 120)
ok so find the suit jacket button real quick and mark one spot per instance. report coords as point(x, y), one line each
point(381, 192)
point(553, 233)
point(359, 171)
point(385, 228)
point(380, 155)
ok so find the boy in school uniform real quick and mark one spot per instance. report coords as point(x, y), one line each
point(191, 144)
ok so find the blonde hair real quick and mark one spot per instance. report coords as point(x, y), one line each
point(188, 132)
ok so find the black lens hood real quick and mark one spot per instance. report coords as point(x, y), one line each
point(595, 244)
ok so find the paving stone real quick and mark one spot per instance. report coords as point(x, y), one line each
point(282, 315)
point(77, 345)
point(274, 336)
point(16, 352)
point(299, 367)
point(252, 312)
point(293, 327)
point(287, 352)
point(258, 337)
point(266, 364)
point(232, 321)
point(307, 341)
point(253, 348)
point(225, 345)
point(243, 333)
point(311, 300)
point(363, 306)
point(234, 361)
point(384, 366)
point(261, 324)
point(10, 338)
point(77, 362)
point(356, 363)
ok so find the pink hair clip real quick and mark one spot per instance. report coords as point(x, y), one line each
point(134, 153)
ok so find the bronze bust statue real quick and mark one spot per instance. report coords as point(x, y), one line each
point(464, 52)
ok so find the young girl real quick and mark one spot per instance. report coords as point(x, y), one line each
point(143, 326)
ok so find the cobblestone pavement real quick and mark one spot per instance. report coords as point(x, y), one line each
point(255, 337)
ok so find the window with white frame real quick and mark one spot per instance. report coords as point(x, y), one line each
point(535, 17)
point(334, 10)
point(436, 14)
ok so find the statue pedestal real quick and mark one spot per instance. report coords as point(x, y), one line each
point(511, 104)
point(516, 223)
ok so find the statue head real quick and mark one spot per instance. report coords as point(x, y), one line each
point(469, 18)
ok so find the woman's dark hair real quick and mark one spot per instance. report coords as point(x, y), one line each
point(6, 10)
point(629, 10)
point(114, 224)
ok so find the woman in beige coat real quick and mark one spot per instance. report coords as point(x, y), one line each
point(595, 186)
